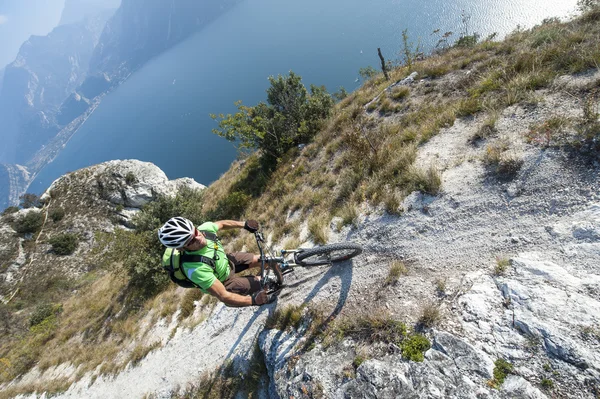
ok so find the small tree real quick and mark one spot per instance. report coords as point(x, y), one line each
point(56, 214)
point(290, 117)
point(29, 223)
point(29, 200)
point(367, 73)
point(64, 244)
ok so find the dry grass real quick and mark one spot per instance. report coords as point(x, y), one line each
point(430, 315)
point(318, 227)
point(397, 270)
point(502, 265)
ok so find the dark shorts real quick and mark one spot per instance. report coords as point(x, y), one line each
point(243, 285)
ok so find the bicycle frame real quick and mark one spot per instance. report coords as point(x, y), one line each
point(282, 260)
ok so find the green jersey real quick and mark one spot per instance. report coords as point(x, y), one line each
point(202, 274)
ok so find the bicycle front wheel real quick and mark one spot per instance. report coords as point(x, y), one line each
point(328, 254)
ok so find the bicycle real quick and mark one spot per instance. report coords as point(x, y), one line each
point(316, 256)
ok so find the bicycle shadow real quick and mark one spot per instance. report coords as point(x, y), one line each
point(343, 270)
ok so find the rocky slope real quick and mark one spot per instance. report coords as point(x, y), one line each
point(99, 198)
point(539, 312)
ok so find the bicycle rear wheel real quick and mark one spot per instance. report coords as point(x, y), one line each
point(328, 254)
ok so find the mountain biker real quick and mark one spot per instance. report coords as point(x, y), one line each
point(220, 282)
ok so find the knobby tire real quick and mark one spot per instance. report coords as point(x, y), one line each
point(328, 254)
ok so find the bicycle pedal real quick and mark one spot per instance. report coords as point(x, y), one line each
point(275, 289)
point(287, 270)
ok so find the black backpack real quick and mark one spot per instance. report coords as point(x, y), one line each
point(173, 261)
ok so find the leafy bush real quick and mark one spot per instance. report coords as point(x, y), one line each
point(56, 214)
point(43, 311)
point(140, 254)
point(502, 368)
point(30, 223)
point(467, 41)
point(140, 251)
point(64, 244)
point(414, 347)
point(130, 178)
point(367, 73)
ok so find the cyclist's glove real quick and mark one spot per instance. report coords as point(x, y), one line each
point(262, 298)
point(251, 226)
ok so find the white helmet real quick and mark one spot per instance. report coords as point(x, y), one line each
point(176, 232)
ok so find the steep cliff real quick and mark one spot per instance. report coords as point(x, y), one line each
point(140, 30)
point(46, 71)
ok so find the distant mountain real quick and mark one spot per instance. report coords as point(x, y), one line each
point(141, 29)
point(45, 73)
point(58, 80)
point(77, 10)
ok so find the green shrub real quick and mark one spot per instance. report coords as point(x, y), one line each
point(140, 253)
point(44, 311)
point(367, 73)
point(349, 215)
point(502, 368)
point(502, 265)
point(467, 41)
point(64, 244)
point(10, 210)
point(427, 181)
point(547, 384)
point(468, 107)
point(30, 223)
point(358, 360)
point(130, 178)
point(414, 347)
point(400, 92)
point(56, 214)
point(318, 227)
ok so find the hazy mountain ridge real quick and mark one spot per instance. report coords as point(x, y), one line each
point(46, 71)
point(140, 30)
point(55, 80)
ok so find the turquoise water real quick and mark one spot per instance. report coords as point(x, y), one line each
point(161, 114)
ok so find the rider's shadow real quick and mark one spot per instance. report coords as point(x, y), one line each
point(342, 270)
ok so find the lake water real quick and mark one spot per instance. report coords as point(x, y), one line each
point(161, 114)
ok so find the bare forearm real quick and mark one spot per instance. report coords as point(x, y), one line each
point(231, 299)
point(229, 224)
